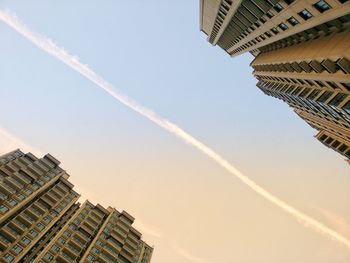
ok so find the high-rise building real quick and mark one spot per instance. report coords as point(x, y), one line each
point(41, 220)
point(302, 55)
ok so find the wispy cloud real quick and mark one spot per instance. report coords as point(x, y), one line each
point(338, 222)
point(72, 61)
point(9, 142)
point(187, 255)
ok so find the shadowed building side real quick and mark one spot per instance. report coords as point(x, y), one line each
point(41, 221)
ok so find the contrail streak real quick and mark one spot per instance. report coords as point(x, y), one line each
point(72, 61)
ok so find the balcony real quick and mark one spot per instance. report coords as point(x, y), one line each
point(9, 233)
point(71, 251)
point(13, 183)
point(64, 258)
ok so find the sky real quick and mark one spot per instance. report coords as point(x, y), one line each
point(185, 205)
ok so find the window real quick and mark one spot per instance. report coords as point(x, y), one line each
point(278, 7)
point(346, 85)
point(346, 107)
point(25, 241)
point(288, 2)
point(66, 233)
point(46, 219)
point(335, 144)
point(48, 256)
point(61, 240)
point(90, 258)
point(305, 14)
point(343, 148)
point(17, 249)
point(319, 83)
point(347, 153)
point(98, 242)
point(332, 84)
point(33, 233)
point(283, 26)
point(323, 137)
point(292, 21)
point(338, 99)
point(3, 209)
point(269, 14)
point(20, 197)
point(329, 140)
point(28, 191)
point(325, 96)
point(322, 6)
point(95, 250)
point(55, 248)
point(274, 30)
point(40, 226)
point(8, 258)
point(12, 202)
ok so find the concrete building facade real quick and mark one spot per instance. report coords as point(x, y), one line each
point(301, 52)
point(41, 220)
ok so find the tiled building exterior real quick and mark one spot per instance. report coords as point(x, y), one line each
point(302, 55)
point(41, 220)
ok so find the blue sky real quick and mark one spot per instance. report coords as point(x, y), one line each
point(154, 52)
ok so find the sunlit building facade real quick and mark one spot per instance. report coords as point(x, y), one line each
point(41, 220)
point(301, 52)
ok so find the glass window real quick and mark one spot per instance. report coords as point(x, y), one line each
point(346, 107)
point(61, 240)
point(12, 202)
point(335, 144)
point(98, 242)
point(53, 213)
point(323, 137)
point(25, 241)
point(292, 21)
point(20, 197)
point(46, 219)
point(322, 6)
point(66, 233)
point(305, 14)
point(55, 248)
point(269, 14)
point(40, 226)
point(329, 140)
point(95, 250)
point(274, 30)
point(91, 258)
point(3, 208)
point(17, 249)
point(278, 7)
point(347, 153)
point(28, 191)
point(346, 86)
point(288, 2)
point(343, 148)
point(33, 233)
point(332, 84)
point(8, 258)
point(325, 96)
point(283, 26)
point(48, 257)
point(338, 99)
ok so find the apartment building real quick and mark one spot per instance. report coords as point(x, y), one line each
point(301, 52)
point(41, 220)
